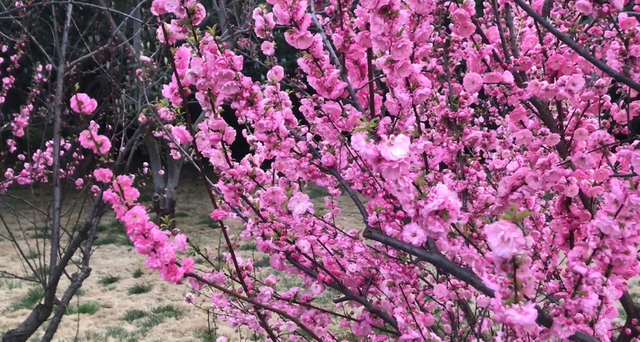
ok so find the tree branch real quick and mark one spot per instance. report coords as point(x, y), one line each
point(575, 47)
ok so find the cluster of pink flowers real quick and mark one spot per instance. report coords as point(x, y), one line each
point(160, 246)
point(21, 119)
point(90, 139)
point(38, 168)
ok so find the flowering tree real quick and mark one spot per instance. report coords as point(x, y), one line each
point(499, 204)
point(53, 137)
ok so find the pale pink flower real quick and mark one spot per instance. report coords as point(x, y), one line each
point(580, 134)
point(584, 7)
point(576, 83)
point(276, 74)
point(472, 82)
point(618, 4)
point(396, 149)
point(199, 13)
point(522, 316)
point(504, 238)
point(299, 204)
point(268, 49)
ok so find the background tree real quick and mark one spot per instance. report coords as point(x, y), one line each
point(52, 143)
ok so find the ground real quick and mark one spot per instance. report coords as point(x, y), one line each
point(122, 300)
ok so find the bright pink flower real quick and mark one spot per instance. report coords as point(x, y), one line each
point(181, 135)
point(402, 49)
point(103, 145)
point(103, 175)
point(218, 215)
point(299, 40)
point(413, 234)
point(81, 103)
point(276, 74)
point(576, 83)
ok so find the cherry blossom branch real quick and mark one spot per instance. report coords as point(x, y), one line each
point(349, 295)
point(253, 302)
point(334, 57)
point(263, 321)
point(575, 47)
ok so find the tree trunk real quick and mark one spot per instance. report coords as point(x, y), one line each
point(30, 325)
point(165, 207)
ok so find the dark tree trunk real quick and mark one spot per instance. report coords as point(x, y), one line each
point(30, 325)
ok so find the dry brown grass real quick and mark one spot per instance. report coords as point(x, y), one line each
point(122, 300)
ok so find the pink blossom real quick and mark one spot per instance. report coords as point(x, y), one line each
point(402, 49)
point(504, 238)
point(81, 103)
point(472, 82)
point(576, 83)
point(199, 14)
point(268, 49)
point(626, 22)
point(276, 74)
point(397, 149)
point(522, 316)
point(301, 40)
point(103, 175)
point(182, 136)
point(299, 204)
point(584, 7)
point(413, 234)
point(218, 215)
